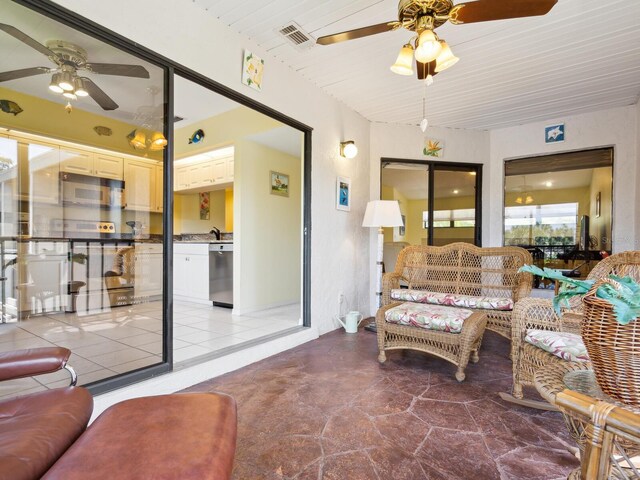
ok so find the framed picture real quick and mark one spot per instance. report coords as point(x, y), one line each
point(343, 194)
point(204, 206)
point(401, 229)
point(598, 206)
point(554, 133)
point(252, 69)
point(279, 183)
point(433, 148)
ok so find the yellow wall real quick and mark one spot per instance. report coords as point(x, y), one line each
point(187, 213)
point(228, 210)
point(44, 117)
point(600, 227)
point(267, 256)
point(222, 130)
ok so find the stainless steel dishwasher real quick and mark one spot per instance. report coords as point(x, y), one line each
point(221, 274)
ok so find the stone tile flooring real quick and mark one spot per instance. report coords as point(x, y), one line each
point(328, 410)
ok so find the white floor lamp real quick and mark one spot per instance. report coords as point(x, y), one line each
point(381, 213)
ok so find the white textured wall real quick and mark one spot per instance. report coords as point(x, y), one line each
point(188, 35)
point(402, 142)
point(617, 127)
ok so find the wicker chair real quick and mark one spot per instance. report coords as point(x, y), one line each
point(461, 270)
point(612, 440)
point(539, 314)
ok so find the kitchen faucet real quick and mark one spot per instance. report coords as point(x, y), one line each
point(216, 232)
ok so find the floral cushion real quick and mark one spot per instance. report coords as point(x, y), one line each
point(431, 317)
point(439, 298)
point(567, 346)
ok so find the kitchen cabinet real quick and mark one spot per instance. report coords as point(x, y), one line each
point(143, 185)
point(89, 163)
point(204, 176)
point(44, 172)
point(148, 271)
point(191, 272)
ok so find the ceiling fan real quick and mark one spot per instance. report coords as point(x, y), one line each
point(422, 17)
point(69, 60)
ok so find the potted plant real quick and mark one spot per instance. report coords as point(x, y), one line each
point(610, 328)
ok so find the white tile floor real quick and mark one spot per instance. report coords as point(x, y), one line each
point(128, 338)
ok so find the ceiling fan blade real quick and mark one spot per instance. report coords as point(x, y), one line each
point(357, 33)
point(487, 10)
point(22, 73)
point(424, 69)
point(137, 71)
point(26, 39)
point(101, 98)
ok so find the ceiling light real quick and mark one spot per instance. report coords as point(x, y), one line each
point(348, 149)
point(137, 139)
point(455, 192)
point(428, 47)
point(472, 174)
point(527, 199)
point(404, 62)
point(70, 95)
point(81, 89)
point(446, 58)
point(54, 85)
point(158, 142)
point(66, 81)
point(548, 184)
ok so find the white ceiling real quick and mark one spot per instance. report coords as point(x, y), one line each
point(582, 56)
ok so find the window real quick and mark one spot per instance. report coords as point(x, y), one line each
point(462, 217)
point(554, 224)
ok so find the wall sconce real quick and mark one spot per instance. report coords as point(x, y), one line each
point(348, 149)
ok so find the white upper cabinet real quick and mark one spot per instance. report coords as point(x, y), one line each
point(89, 163)
point(205, 175)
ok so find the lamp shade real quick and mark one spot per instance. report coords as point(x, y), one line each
point(404, 62)
point(446, 58)
point(428, 47)
point(382, 213)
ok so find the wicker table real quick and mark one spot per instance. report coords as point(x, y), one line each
point(553, 379)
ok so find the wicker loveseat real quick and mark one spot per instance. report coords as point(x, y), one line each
point(537, 315)
point(482, 281)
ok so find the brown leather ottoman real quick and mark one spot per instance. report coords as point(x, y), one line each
point(179, 436)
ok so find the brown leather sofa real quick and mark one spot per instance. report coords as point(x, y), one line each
point(42, 435)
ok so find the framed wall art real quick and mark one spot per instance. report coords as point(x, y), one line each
point(343, 194)
point(279, 183)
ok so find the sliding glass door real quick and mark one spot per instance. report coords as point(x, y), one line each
point(439, 202)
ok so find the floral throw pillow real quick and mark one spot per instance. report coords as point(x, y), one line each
point(567, 346)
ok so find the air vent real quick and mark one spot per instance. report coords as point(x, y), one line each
point(296, 36)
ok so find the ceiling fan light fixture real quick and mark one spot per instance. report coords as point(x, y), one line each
point(54, 85)
point(428, 46)
point(70, 95)
point(80, 87)
point(404, 62)
point(446, 58)
point(66, 81)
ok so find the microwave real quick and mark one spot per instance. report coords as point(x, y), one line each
point(85, 190)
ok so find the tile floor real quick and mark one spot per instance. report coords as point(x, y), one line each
point(328, 410)
point(127, 338)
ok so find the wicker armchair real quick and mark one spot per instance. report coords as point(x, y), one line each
point(612, 440)
point(539, 314)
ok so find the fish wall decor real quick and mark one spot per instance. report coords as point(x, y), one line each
point(100, 130)
point(197, 137)
point(8, 106)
